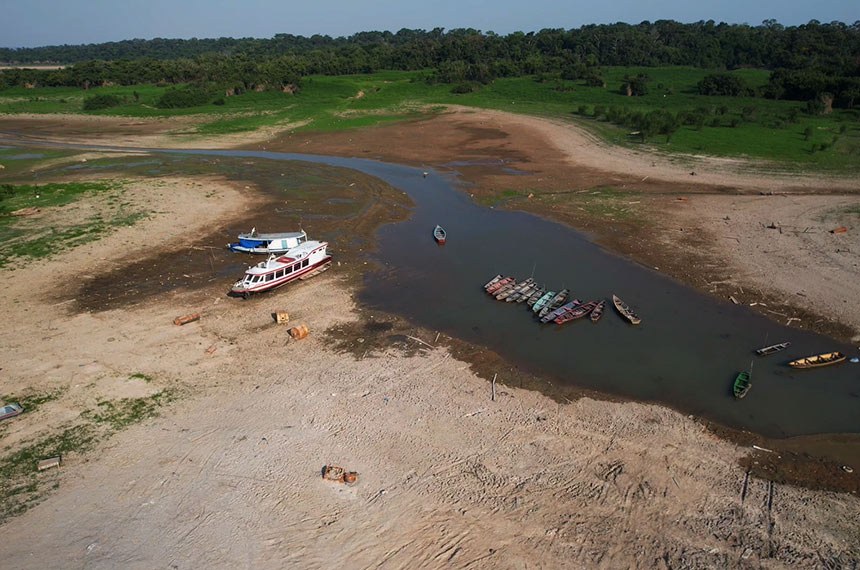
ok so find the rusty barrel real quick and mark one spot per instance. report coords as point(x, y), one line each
point(299, 332)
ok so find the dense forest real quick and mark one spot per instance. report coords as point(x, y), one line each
point(808, 62)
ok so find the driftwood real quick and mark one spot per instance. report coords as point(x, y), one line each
point(494, 387)
point(419, 340)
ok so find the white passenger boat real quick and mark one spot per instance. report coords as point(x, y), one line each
point(253, 242)
point(301, 262)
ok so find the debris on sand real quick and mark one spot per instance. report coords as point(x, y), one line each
point(48, 463)
point(281, 317)
point(25, 212)
point(185, 319)
point(839, 230)
point(299, 332)
point(339, 475)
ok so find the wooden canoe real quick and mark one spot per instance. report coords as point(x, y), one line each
point(554, 303)
point(537, 294)
point(597, 312)
point(576, 312)
point(772, 348)
point(817, 360)
point(502, 295)
point(625, 311)
point(493, 281)
point(492, 289)
point(554, 314)
point(742, 385)
point(545, 298)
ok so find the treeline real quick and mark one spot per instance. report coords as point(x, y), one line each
point(235, 72)
point(661, 43)
point(807, 60)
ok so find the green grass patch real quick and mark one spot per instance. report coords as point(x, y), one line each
point(15, 197)
point(118, 414)
point(20, 486)
point(141, 376)
point(26, 237)
point(608, 202)
point(499, 198)
point(32, 401)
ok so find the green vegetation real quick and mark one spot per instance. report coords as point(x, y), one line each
point(141, 376)
point(183, 98)
point(672, 115)
point(610, 203)
point(19, 480)
point(23, 238)
point(102, 101)
point(31, 402)
point(121, 413)
point(21, 484)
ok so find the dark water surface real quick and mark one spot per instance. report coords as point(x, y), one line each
point(685, 353)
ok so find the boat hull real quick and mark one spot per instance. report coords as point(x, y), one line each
point(261, 249)
point(301, 262)
point(772, 349)
point(625, 311)
point(439, 235)
point(742, 385)
point(274, 284)
point(818, 360)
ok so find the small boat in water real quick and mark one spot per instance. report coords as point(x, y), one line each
point(493, 281)
point(439, 234)
point(498, 285)
point(543, 300)
point(742, 384)
point(515, 289)
point(253, 242)
point(557, 301)
point(536, 294)
point(554, 314)
point(576, 312)
point(523, 293)
point(302, 262)
point(625, 311)
point(597, 312)
point(817, 360)
point(772, 348)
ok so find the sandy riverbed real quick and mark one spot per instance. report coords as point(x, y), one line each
point(229, 474)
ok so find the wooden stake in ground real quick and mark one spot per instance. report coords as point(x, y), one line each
point(494, 387)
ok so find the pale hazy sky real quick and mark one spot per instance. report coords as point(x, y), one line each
point(29, 23)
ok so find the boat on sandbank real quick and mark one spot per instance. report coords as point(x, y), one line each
point(306, 260)
point(276, 243)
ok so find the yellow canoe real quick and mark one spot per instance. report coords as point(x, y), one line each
point(818, 360)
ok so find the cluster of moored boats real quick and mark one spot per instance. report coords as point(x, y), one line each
point(552, 306)
point(291, 256)
point(743, 381)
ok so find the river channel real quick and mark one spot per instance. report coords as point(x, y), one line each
point(686, 353)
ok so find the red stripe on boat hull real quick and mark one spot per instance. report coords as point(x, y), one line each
point(268, 286)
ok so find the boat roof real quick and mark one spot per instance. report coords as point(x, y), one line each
point(295, 254)
point(281, 235)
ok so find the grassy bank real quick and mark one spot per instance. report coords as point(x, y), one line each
point(34, 221)
point(729, 126)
